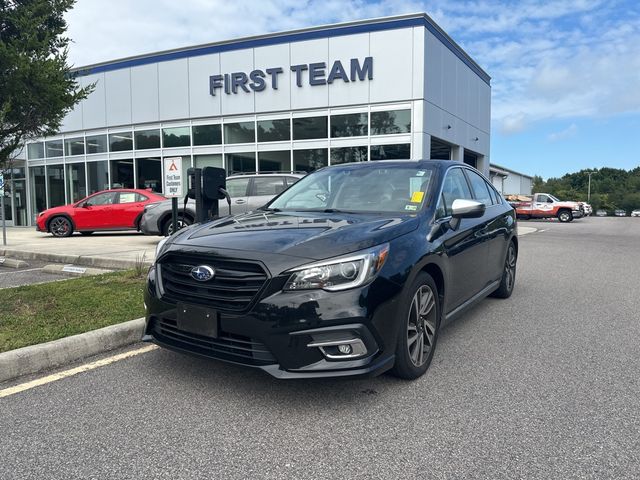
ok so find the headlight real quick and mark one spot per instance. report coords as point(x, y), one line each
point(340, 273)
point(160, 245)
point(41, 214)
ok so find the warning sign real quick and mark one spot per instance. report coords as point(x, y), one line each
point(173, 177)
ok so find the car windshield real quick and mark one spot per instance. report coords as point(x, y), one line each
point(553, 198)
point(380, 188)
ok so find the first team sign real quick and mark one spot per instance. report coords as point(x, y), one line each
point(173, 177)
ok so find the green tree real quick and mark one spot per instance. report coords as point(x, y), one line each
point(37, 88)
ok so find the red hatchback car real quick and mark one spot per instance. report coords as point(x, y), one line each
point(117, 209)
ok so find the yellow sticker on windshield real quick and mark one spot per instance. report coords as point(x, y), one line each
point(416, 197)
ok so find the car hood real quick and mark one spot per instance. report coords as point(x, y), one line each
point(52, 211)
point(310, 235)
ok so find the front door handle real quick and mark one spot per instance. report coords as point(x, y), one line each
point(240, 202)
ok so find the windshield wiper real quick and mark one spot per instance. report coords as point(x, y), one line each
point(271, 209)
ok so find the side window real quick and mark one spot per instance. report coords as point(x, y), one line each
point(237, 187)
point(268, 186)
point(542, 198)
point(141, 198)
point(102, 199)
point(291, 180)
point(495, 196)
point(127, 197)
point(479, 187)
point(455, 186)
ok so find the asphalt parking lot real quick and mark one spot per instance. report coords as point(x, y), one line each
point(29, 274)
point(543, 385)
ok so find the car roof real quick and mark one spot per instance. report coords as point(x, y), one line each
point(250, 175)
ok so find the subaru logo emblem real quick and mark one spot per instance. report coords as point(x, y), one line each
point(202, 273)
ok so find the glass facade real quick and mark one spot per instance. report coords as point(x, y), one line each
point(76, 182)
point(278, 161)
point(389, 122)
point(120, 142)
point(146, 139)
point(241, 132)
point(274, 130)
point(63, 181)
point(97, 176)
point(176, 137)
point(122, 173)
point(207, 134)
point(74, 146)
point(310, 128)
point(53, 148)
point(96, 144)
point(401, 151)
point(350, 125)
point(149, 173)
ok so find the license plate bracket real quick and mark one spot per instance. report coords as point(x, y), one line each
point(197, 319)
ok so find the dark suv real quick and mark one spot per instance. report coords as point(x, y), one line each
point(350, 271)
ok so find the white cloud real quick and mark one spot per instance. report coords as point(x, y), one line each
point(569, 132)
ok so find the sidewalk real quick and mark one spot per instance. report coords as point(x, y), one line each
point(104, 250)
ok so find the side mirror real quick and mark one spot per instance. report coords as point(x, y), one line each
point(84, 205)
point(467, 209)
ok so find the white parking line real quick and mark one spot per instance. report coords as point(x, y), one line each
point(20, 271)
point(74, 371)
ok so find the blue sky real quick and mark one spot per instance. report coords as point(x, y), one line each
point(566, 74)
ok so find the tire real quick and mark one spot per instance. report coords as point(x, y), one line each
point(508, 274)
point(86, 233)
point(167, 226)
point(60, 226)
point(418, 331)
point(565, 216)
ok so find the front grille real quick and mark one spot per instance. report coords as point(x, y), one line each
point(227, 346)
point(235, 285)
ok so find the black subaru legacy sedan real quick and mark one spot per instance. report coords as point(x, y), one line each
point(351, 271)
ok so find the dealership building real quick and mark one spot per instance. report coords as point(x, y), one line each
point(389, 88)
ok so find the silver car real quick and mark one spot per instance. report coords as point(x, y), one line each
point(247, 192)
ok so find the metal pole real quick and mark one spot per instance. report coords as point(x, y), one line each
point(589, 191)
point(174, 213)
point(4, 223)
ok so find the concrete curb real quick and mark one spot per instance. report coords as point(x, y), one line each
point(90, 261)
point(12, 262)
point(45, 356)
point(73, 271)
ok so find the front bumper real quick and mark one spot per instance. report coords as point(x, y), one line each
point(275, 333)
point(577, 213)
point(149, 224)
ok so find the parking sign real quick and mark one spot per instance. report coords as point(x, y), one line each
point(173, 177)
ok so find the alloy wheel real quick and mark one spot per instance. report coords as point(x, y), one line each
point(510, 268)
point(421, 327)
point(59, 226)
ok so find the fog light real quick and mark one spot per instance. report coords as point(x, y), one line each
point(340, 348)
point(345, 349)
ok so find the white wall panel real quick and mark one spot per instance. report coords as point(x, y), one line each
point(433, 69)
point(241, 101)
point(344, 49)
point(93, 110)
point(272, 57)
point(118, 94)
point(201, 103)
point(173, 88)
point(419, 34)
point(73, 120)
point(449, 81)
point(308, 96)
point(144, 93)
point(392, 65)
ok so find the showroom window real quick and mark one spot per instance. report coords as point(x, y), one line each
point(55, 185)
point(120, 142)
point(240, 162)
point(53, 148)
point(98, 176)
point(211, 160)
point(310, 127)
point(349, 125)
point(35, 150)
point(38, 189)
point(149, 173)
point(348, 155)
point(146, 139)
point(176, 137)
point(122, 173)
point(394, 121)
point(274, 130)
point(241, 132)
point(277, 161)
point(207, 134)
point(310, 159)
point(76, 182)
point(74, 146)
point(96, 144)
point(401, 151)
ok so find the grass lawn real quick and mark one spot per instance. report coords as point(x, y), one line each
point(39, 313)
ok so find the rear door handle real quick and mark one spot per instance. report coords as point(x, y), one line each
point(240, 202)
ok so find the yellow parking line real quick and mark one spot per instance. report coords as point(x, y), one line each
point(74, 371)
